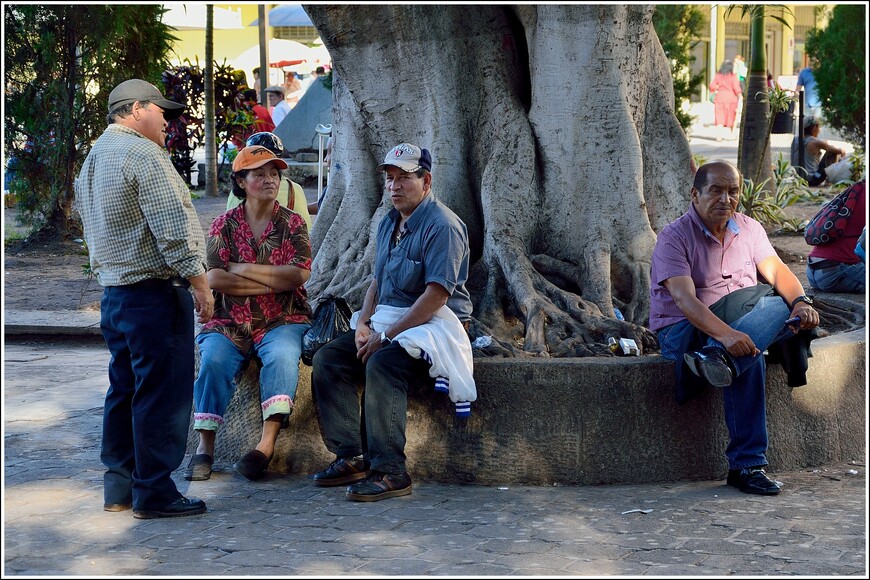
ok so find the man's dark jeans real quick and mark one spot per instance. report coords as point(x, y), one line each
point(377, 427)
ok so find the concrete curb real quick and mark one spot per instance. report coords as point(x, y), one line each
point(52, 323)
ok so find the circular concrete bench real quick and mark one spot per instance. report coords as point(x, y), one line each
point(585, 421)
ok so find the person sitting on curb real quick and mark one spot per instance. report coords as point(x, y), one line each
point(417, 295)
point(813, 169)
point(838, 265)
point(705, 293)
point(297, 202)
point(259, 257)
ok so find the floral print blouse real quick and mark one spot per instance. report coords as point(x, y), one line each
point(246, 319)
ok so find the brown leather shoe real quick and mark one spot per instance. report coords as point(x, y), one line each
point(340, 472)
point(378, 486)
point(199, 468)
point(117, 507)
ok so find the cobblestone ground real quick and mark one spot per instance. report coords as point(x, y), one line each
point(284, 526)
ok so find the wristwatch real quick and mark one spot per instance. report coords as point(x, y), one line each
point(801, 298)
point(385, 340)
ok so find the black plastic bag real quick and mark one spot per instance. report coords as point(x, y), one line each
point(331, 320)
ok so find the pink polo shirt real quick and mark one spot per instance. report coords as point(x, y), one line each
point(687, 248)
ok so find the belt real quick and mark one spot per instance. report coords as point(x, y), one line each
point(824, 264)
point(177, 281)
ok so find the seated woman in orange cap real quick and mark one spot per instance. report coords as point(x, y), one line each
point(259, 258)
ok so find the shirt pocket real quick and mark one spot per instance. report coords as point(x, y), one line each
point(408, 274)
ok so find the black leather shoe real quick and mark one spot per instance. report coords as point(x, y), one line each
point(180, 507)
point(753, 480)
point(711, 364)
point(378, 486)
point(340, 472)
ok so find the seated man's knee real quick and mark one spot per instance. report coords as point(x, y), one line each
point(335, 351)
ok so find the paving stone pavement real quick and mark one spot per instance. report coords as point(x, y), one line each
point(54, 524)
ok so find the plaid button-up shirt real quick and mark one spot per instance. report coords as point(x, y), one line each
point(139, 221)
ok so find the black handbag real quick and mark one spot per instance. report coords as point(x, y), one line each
point(331, 320)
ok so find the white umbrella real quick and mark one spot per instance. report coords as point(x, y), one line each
point(281, 53)
point(320, 56)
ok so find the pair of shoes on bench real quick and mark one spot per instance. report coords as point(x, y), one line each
point(199, 468)
point(253, 464)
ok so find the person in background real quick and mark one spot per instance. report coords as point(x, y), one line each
point(839, 265)
point(297, 201)
point(818, 153)
point(807, 80)
point(256, 87)
point(292, 88)
point(278, 106)
point(726, 87)
point(259, 258)
point(146, 249)
point(262, 119)
point(741, 70)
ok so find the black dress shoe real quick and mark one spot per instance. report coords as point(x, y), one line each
point(180, 507)
point(753, 480)
point(711, 364)
point(340, 472)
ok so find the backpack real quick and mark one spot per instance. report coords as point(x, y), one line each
point(831, 221)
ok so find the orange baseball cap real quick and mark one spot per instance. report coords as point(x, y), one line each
point(256, 156)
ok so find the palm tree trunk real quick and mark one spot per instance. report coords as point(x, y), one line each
point(211, 189)
point(754, 155)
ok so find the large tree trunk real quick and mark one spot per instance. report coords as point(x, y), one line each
point(553, 137)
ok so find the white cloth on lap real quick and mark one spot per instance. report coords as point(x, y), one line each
point(443, 343)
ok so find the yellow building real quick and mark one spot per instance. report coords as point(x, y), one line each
point(235, 33)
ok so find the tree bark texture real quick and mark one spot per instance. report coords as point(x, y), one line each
point(553, 138)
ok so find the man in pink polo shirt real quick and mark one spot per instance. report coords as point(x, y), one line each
point(713, 317)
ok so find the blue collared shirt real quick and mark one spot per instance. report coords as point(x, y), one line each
point(433, 249)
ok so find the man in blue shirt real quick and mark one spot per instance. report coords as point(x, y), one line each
point(812, 104)
point(421, 266)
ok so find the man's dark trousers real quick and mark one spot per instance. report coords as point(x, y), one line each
point(148, 328)
point(387, 378)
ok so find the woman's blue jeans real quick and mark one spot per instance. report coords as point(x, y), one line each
point(378, 429)
point(744, 400)
point(221, 360)
point(850, 278)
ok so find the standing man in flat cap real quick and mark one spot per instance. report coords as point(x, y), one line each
point(146, 249)
point(411, 329)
